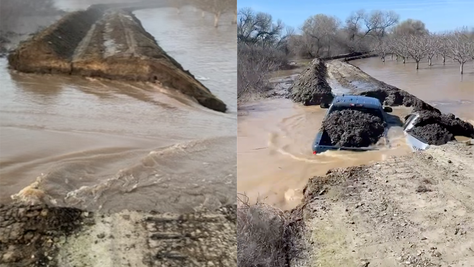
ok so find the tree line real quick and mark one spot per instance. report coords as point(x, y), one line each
point(265, 45)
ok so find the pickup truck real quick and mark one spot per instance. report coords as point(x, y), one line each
point(371, 105)
point(362, 103)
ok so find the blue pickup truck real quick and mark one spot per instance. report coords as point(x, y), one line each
point(365, 104)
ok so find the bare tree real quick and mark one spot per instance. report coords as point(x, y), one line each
point(255, 64)
point(258, 28)
point(217, 8)
point(321, 30)
point(410, 27)
point(461, 47)
point(443, 47)
point(383, 47)
point(262, 48)
point(400, 48)
point(378, 22)
point(367, 30)
point(352, 30)
point(432, 47)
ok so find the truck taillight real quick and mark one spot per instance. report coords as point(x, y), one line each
point(314, 152)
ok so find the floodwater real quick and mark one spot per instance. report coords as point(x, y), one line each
point(275, 136)
point(112, 145)
point(440, 85)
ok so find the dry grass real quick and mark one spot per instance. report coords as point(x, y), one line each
point(254, 69)
point(261, 235)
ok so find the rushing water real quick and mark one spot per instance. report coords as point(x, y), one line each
point(114, 145)
point(275, 136)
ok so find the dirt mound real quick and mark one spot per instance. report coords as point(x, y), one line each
point(311, 87)
point(353, 128)
point(28, 233)
point(433, 134)
point(110, 44)
point(438, 129)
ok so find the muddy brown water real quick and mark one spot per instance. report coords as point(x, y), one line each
point(111, 145)
point(275, 136)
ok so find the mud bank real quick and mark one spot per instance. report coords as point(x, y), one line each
point(414, 210)
point(47, 236)
point(107, 43)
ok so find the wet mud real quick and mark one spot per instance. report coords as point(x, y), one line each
point(107, 43)
point(352, 128)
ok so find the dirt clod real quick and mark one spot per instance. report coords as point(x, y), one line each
point(352, 128)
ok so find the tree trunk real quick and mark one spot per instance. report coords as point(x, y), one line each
point(403, 60)
point(461, 68)
point(392, 56)
point(444, 60)
point(216, 19)
point(417, 64)
point(429, 62)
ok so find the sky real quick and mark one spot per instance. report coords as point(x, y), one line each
point(438, 15)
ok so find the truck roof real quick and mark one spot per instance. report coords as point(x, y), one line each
point(348, 100)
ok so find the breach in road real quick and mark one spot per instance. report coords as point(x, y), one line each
point(107, 43)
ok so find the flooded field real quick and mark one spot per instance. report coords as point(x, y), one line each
point(275, 136)
point(111, 145)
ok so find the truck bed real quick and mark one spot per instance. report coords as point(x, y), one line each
point(325, 144)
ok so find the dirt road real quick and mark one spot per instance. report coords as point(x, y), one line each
point(416, 210)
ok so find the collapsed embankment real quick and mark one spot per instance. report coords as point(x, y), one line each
point(107, 43)
point(324, 79)
point(38, 235)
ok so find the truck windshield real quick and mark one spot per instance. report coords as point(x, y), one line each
point(373, 111)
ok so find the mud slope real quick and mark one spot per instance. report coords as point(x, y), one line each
point(42, 236)
point(415, 210)
point(110, 44)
